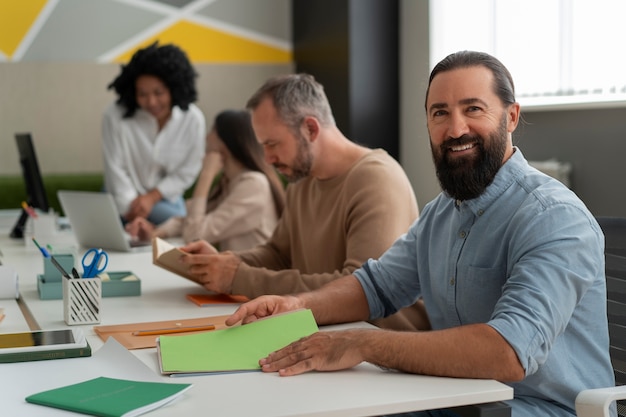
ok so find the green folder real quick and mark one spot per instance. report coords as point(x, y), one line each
point(233, 349)
point(109, 397)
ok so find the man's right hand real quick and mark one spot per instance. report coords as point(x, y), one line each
point(214, 271)
point(199, 247)
point(263, 306)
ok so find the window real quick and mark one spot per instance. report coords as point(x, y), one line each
point(561, 53)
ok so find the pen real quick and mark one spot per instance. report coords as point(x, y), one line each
point(170, 330)
point(46, 254)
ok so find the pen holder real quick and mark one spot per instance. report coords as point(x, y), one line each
point(41, 227)
point(81, 300)
point(45, 224)
point(51, 273)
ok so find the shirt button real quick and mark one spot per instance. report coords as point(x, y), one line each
point(481, 212)
point(462, 234)
point(452, 281)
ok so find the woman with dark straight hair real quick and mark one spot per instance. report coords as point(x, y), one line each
point(241, 210)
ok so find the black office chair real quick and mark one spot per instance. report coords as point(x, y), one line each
point(595, 402)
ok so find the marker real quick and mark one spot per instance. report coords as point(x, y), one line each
point(29, 210)
point(43, 251)
point(171, 330)
point(58, 266)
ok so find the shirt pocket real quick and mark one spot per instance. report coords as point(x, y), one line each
point(478, 291)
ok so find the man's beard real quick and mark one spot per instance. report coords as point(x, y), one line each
point(301, 167)
point(467, 178)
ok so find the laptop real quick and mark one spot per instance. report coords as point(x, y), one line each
point(95, 221)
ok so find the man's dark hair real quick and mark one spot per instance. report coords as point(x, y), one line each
point(169, 63)
point(503, 82)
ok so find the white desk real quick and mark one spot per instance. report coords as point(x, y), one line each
point(361, 391)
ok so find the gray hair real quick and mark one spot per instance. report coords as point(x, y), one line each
point(295, 96)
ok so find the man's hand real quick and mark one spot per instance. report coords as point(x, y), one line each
point(214, 271)
point(140, 229)
point(263, 306)
point(199, 247)
point(322, 351)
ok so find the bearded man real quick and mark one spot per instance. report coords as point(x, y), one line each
point(509, 262)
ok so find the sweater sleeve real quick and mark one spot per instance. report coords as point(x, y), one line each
point(377, 205)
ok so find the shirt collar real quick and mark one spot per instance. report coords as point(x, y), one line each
point(512, 169)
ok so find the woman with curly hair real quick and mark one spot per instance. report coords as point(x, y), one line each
point(153, 135)
point(243, 208)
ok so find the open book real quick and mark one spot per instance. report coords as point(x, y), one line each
point(167, 256)
point(110, 397)
point(234, 349)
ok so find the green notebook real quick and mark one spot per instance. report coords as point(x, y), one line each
point(108, 397)
point(234, 349)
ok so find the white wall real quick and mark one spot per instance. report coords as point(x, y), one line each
point(415, 155)
point(61, 104)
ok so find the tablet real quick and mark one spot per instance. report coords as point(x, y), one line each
point(42, 340)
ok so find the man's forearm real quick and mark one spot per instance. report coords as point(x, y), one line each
point(339, 301)
point(471, 351)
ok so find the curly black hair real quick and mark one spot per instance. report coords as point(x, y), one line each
point(168, 63)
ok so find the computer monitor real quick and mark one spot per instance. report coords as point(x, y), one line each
point(35, 190)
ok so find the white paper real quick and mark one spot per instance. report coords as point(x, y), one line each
point(8, 283)
point(22, 379)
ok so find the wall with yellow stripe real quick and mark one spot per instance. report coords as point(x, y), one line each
point(58, 56)
point(210, 31)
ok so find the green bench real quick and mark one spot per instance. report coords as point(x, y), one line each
point(13, 189)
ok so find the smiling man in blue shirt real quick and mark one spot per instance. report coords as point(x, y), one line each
point(509, 262)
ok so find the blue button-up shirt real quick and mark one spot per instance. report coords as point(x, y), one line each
point(527, 258)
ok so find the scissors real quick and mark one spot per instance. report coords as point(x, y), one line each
point(93, 262)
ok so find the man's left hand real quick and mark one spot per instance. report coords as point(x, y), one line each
point(322, 351)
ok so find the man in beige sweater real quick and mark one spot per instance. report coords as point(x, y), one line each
point(345, 203)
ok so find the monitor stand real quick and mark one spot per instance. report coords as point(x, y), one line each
point(18, 229)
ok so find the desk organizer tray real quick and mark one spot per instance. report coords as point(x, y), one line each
point(118, 285)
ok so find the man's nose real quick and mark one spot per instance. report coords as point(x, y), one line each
point(270, 158)
point(458, 126)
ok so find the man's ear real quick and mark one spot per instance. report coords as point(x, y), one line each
point(513, 117)
point(311, 127)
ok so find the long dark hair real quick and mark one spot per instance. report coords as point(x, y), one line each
point(234, 129)
point(169, 63)
point(503, 82)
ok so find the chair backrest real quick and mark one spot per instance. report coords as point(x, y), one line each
point(614, 229)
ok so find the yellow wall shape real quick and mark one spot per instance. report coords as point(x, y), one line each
point(16, 18)
point(206, 45)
